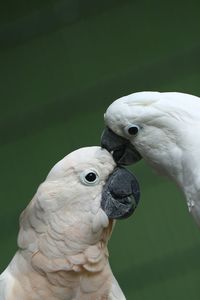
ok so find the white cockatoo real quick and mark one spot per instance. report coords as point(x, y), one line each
point(162, 128)
point(65, 229)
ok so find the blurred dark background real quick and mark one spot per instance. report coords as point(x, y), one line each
point(62, 62)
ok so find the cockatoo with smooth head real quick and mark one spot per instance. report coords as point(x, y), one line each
point(65, 229)
point(162, 128)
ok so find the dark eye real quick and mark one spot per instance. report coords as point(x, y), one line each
point(89, 177)
point(132, 130)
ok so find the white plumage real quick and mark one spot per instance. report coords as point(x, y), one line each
point(63, 236)
point(167, 137)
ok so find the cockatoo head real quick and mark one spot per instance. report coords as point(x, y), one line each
point(89, 180)
point(81, 194)
point(154, 126)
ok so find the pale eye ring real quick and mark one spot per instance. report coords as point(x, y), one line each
point(132, 130)
point(89, 177)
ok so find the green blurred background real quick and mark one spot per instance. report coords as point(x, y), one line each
point(62, 62)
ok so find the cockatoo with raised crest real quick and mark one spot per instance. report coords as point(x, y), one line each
point(162, 128)
point(65, 229)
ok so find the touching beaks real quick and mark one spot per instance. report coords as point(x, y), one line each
point(124, 153)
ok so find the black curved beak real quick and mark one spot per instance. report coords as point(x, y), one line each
point(124, 153)
point(120, 195)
